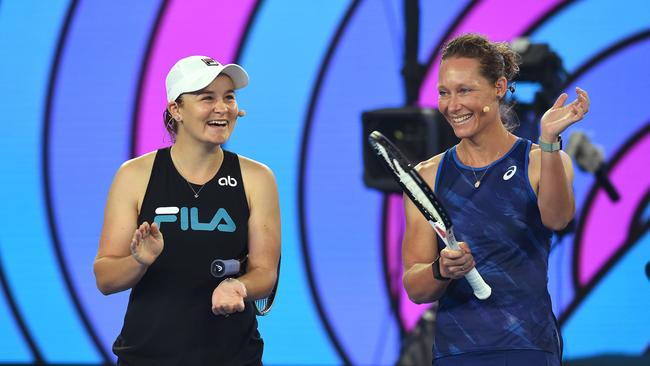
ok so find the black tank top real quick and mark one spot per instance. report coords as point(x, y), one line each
point(169, 320)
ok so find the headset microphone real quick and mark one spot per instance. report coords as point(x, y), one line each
point(241, 113)
point(486, 109)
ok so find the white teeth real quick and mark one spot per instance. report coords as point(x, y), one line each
point(218, 123)
point(461, 119)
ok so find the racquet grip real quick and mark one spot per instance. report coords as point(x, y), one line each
point(224, 267)
point(481, 289)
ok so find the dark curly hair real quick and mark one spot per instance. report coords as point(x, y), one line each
point(497, 59)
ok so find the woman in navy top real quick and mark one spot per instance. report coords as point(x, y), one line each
point(505, 196)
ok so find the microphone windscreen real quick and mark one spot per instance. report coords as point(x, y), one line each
point(587, 156)
point(576, 140)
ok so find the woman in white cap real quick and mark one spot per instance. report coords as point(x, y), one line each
point(172, 212)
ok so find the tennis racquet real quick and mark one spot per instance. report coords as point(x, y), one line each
point(425, 200)
point(220, 268)
point(263, 306)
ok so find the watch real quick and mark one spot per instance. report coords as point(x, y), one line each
point(435, 268)
point(550, 147)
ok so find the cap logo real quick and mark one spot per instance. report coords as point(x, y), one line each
point(210, 62)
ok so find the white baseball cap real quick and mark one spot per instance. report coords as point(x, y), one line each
point(194, 73)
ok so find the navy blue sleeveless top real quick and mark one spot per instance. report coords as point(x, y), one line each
point(169, 319)
point(501, 223)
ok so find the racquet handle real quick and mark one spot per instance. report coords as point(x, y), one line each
point(481, 289)
point(224, 267)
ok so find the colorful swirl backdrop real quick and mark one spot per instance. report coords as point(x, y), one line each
point(83, 90)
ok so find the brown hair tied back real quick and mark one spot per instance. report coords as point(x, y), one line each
point(496, 58)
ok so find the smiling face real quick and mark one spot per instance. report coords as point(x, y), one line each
point(463, 94)
point(208, 115)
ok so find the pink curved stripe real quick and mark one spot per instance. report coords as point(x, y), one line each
point(499, 20)
point(607, 223)
point(190, 27)
point(409, 312)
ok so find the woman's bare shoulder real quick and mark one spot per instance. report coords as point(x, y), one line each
point(132, 178)
point(429, 168)
point(140, 165)
point(253, 167)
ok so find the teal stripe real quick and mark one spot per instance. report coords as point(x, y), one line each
point(99, 67)
point(30, 32)
point(283, 55)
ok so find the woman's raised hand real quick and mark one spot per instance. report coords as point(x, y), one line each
point(147, 243)
point(561, 116)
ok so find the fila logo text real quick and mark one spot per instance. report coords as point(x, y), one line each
point(221, 221)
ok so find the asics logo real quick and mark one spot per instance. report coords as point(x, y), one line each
point(227, 181)
point(510, 172)
point(221, 220)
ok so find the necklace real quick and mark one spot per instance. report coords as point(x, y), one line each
point(477, 180)
point(477, 183)
point(196, 193)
